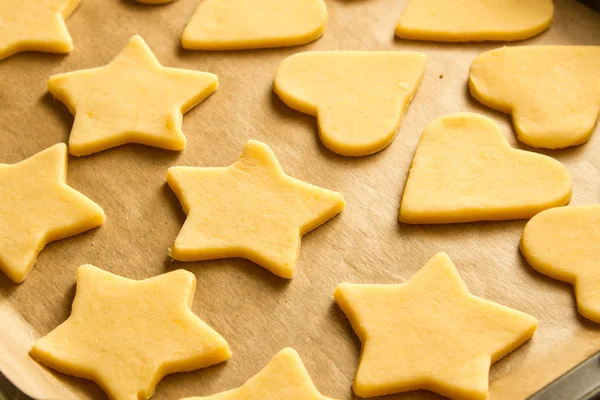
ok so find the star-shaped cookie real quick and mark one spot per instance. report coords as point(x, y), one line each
point(133, 99)
point(250, 209)
point(125, 335)
point(284, 378)
point(37, 207)
point(35, 25)
point(429, 333)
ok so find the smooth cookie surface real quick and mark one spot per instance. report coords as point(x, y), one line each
point(250, 209)
point(125, 335)
point(37, 207)
point(133, 99)
point(474, 20)
point(243, 24)
point(284, 378)
point(429, 333)
point(564, 243)
point(35, 25)
point(358, 97)
point(464, 170)
point(552, 92)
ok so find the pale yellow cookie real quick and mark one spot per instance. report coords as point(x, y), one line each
point(133, 99)
point(464, 170)
point(564, 243)
point(474, 20)
point(552, 92)
point(256, 24)
point(358, 97)
point(125, 335)
point(35, 25)
point(429, 333)
point(284, 378)
point(250, 209)
point(37, 207)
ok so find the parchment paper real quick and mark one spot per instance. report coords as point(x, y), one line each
point(255, 311)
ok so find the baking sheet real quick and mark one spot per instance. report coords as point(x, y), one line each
point(257, 312)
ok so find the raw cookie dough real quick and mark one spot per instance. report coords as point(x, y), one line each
point(243, 24)
point(125, 335)
point(464, 170)
point(133, 99)
point(358, 97)
point(429, 333)
point(35, 25)
point(37, 207)
point(474, 20)
point(553, 92)
point(284, 378)
point(250, 209)
point(564, 243)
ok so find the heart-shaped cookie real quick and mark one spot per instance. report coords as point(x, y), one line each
point(564, 243)
point(358, 97)
point(553, 92)
point(243, 24)
point(474, 20)
point(464, 170)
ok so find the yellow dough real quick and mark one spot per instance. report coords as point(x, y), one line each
point(125, 335)
point(250, 209)
point(564, 243)
point(464, 170)
point(474, 20)
point(284, 378)
point(37, 207)
point(358, 97)
point(429, 333)
point(552, 92)
point(254, 24)
point(133, 99)
point(35, 25)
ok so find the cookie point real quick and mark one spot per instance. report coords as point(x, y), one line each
point(101, 215)
point(287, 274)
point(87, 269)
point(362, 390)
point(59, 148)
point(136, 39)
point(441, 255)
point(340, 289)
point(256, 143)
point(289, 351)
point(184, 274)
point(61, 145)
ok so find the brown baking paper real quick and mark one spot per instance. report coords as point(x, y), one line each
point(257, 312)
